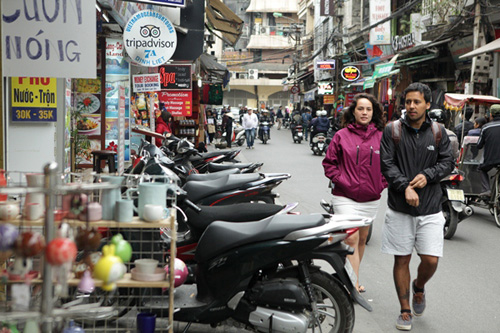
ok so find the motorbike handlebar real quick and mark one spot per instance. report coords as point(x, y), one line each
point(192, 205)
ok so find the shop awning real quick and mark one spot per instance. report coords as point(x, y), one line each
point(267, 6)
point(216, 72)
point(310, 95)
point(418, 59)
point(224, 20)
point(490, 47)
point(457, 101)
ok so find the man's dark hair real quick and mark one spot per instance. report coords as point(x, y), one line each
point(421, 88)
point(468, 113)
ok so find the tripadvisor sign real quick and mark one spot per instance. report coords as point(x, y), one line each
point(150, 38)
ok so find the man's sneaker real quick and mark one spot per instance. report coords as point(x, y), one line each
point(402, 324)
point(418, 308)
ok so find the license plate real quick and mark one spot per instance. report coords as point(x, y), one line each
point(455, 195)
point(350, 272)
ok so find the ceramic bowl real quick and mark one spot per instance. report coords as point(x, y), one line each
point(157, 275)
point(146, 266)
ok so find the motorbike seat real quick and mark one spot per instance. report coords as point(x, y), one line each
point(240, 212)
point(197, 177)
point(200, 189)
point(221, 236)
point(203, 156)
point(215, 167)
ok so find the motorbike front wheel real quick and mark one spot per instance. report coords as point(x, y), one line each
point(451, 219)
point(241, 141)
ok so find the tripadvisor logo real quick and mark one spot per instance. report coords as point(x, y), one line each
point(150, 38)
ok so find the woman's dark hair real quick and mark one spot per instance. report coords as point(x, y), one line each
point(378, 118)
point(166, 116)
point(480, 121)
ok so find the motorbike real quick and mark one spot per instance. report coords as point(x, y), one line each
point(240, 136)
point(286, 122)
point(318, 144)
point(264, 131)
point(297, 134)
point(241, 280)
point(453, 203)
point(328, 207)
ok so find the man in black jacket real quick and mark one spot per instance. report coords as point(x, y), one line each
point(466, 125)
point(489, 138)
point(413, 164)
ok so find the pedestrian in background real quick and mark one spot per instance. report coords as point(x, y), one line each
point(227, 125)
point(413, 162)
point(352, 163)
point(478, 125)
point(306, 121)
point(279, 117)
point(163, 125)
point(211, 122)
point(488, 139)
point(249, 123)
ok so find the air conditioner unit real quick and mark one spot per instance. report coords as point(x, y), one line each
point(243, 76)
point(234, 75)
point(253, 74)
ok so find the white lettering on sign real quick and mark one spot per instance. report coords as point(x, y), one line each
point(403, 42)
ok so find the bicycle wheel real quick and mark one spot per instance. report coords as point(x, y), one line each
point(496, 202)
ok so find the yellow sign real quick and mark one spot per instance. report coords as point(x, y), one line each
point(34, 99)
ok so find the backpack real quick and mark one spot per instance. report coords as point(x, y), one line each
point(396, 132)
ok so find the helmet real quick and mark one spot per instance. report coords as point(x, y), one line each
point(437, 115)
point(318, 113)
point(495, 110)
point(324, 113)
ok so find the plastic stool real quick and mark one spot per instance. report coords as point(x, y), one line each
point(104, 155)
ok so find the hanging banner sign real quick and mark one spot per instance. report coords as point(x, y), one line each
point(325, 65)
point(175, 77)
point(173, 3)
point(325, 88)
point(379, 10)
point(34, 99)
point(50, 38)
point(146, 82)
point(327, 8)
point(150, 38)
point(328, 99)
point(178, 102)
point(351, 73)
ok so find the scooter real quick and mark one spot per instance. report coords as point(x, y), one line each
point(240, 136)
point(264, 132)
point(242, 281)
point(297, 134)
point(318, 144)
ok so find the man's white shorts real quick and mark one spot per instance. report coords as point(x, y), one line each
point(402, 232)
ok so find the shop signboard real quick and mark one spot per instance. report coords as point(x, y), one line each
point(150, 38)
point(121, 130)
point(325, 65)
point(146, 82)
point(328, 99)
point(325, 88)
point(34, 99)
point(49, 38)
point(178, 102)
point(383, 69)
point(175, 77)
point(379, 10)
point(351, 73)
point(349, 97)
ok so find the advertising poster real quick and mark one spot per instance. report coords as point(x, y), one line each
point(34, 99)
point(379, 10)
point(178, 102)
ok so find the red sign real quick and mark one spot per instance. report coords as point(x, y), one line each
point(175, 77)
point(328, 99)
point(351, 73)
point(295, 90)
point(349, 97)
point(178, 102)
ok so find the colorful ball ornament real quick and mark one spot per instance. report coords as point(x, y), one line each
point(29, 244)
point(8, 235)
point(60, 251)
point(180, 272)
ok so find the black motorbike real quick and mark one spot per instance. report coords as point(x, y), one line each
point(242, 279)
point(297, 133)
point(318, 144)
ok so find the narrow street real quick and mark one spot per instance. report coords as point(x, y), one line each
point(462, 295)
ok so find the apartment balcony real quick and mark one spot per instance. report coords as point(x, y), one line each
point(271, 37)
point(266, 6)
point(256, 82)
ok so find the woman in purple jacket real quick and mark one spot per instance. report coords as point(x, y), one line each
point(352, 163)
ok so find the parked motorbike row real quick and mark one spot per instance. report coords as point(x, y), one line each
point(251, 261)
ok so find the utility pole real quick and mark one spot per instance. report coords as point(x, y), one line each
point(475, 43)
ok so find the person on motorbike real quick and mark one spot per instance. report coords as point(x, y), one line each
point(279, 117)
point(489, 138)
point(320, 124)
point(265, 117)
point(352, 164)
point(466, 125)
point(296, 120)
point(250, 122)
point(439, 116)
point(306, 121)
point(163, 125)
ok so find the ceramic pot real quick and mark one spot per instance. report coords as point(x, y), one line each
point(149, 193)
point(9, 210)
point(109, 197)
point(36, 180)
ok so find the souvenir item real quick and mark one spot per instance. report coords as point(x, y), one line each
point(36, 180)
point(123, 249)
point(33, 211)
point(74, 204)
point(154, 213)
point(92, 212)
point(8, 235)
point(109, 197)
point(31, 326)
point(29, 244)
point(88, 238)
point(60, 251)
point(124, 210)
point(180, 272)
point(149, 193)
point(86, 284)
point(146, 266)
point(73, 328)
point(109, 268)
point(3, 183)
point(9, 210)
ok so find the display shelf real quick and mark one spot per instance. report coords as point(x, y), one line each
point(125, 282)
point(135, 224)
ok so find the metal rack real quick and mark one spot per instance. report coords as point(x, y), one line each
point(100, 311)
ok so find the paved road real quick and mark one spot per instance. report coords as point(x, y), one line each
point(462, 296)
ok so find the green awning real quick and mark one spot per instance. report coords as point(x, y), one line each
point(391, 73)
point(417, 59)
point(369, 82)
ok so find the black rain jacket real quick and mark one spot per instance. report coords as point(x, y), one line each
point(415, 153)
point(489, 139)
